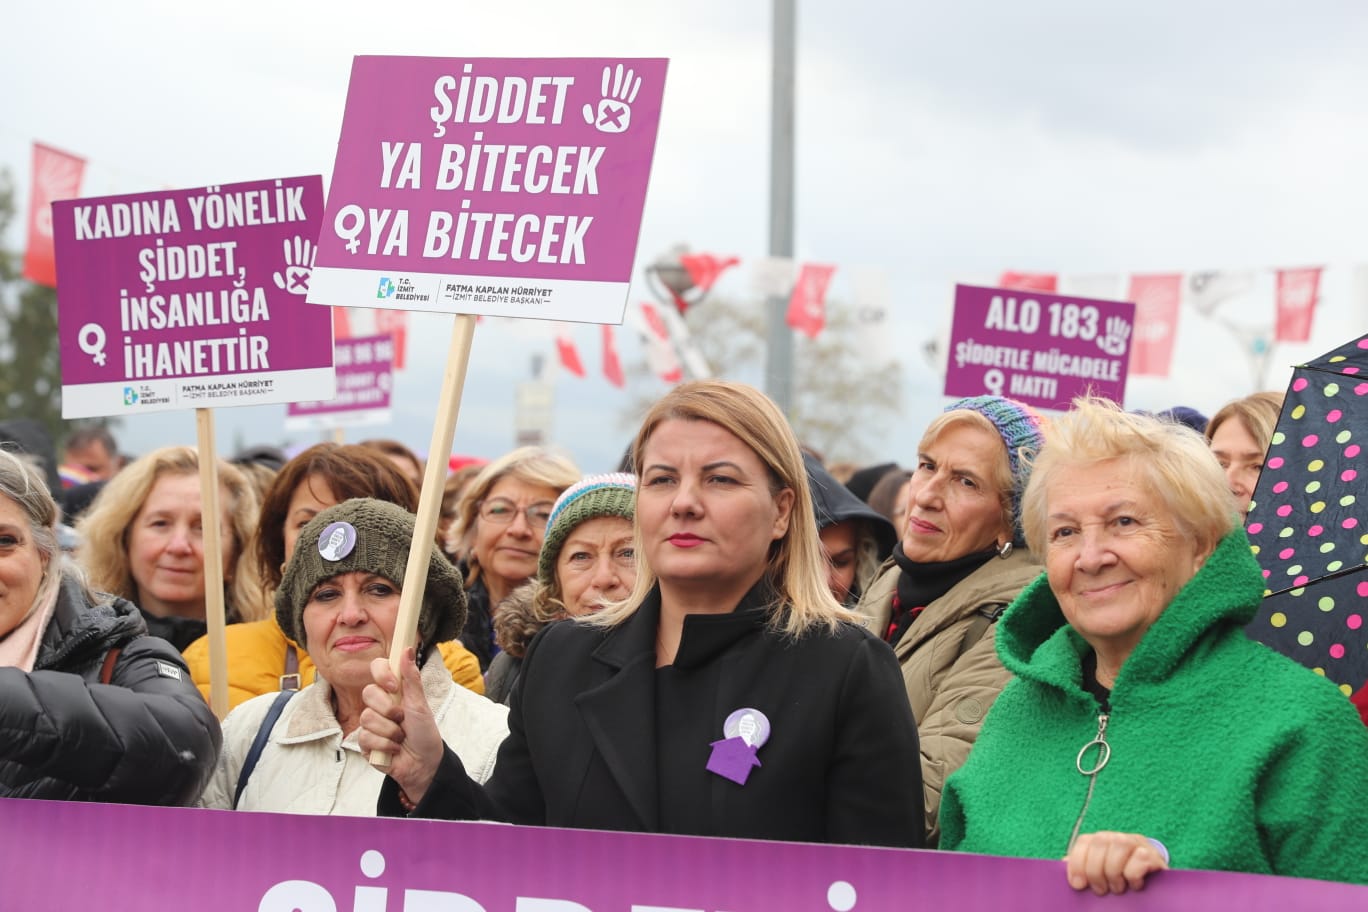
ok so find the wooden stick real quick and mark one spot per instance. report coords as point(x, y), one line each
point(339, 435)
point(213, 563)
point(430, 499)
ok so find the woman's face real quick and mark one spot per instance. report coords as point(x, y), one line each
point(166, 547)
point(953, 507)
point(507, 543)
point(311, 496)
point(705, 510)
point(840, 544)
point(21, 566)
point(1114, 557)
point(1242, 459)
point(348, 621)
point(596, 564)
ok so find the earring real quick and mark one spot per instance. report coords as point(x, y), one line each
point(1004, 550)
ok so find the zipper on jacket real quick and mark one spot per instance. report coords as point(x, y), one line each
point(1091, 770)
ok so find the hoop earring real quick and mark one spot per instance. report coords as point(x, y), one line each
point(1004, 550)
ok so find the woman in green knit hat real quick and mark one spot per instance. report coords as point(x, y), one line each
point(586, 562)
point(339, 599)
point(1143, 729)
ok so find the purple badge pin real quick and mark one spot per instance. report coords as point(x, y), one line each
point(750, 725)
point(337, 541)
point(734, 757)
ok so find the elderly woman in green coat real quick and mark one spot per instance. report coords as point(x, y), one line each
point(1143, 729)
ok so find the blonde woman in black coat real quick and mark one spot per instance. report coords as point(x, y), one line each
point(728, 695)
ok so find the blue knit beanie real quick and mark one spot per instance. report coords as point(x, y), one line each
point(613, 494)
point(1019, 426)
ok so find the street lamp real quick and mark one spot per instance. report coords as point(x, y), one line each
point(671, 283)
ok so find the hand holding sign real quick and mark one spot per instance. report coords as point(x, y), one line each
point(614, 112)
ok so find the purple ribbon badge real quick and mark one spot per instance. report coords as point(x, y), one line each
point(734, 756)
point(337, 541)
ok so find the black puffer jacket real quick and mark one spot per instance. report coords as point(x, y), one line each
point(147, 737)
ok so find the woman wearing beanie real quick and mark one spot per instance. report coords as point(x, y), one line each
point(261, 658)
point(339, 599)
point(728, 694)
point(586, 562)
point(961, 561)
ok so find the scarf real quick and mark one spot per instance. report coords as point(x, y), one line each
point(921, 583)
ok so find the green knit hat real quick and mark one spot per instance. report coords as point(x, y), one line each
point(593, 496)
point(371, 536)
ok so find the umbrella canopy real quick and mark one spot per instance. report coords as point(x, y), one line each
point(1309, 520)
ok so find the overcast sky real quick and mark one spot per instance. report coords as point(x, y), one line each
point(935, 143)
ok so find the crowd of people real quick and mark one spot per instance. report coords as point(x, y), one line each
point(1029, 642)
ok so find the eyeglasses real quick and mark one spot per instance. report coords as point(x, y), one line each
point(501, 511)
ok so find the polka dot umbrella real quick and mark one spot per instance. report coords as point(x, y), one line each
point(1309, 520)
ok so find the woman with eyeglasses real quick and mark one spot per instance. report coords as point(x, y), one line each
point(501, 522)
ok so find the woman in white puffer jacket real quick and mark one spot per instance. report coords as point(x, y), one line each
point(339, 599)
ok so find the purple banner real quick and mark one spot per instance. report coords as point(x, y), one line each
point(191, 298)
point(1036, 346)
point(365, 379)
point(70, 856)
point(508, 187)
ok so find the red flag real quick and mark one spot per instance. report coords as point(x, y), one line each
point(394, 322)
point(1029, 281)
point(56, 176)
point(660, 352)
point(1156, 300)
point(569, 354)
point(1298, 290)
point(612, 364)
point(704, 268)
point(341, 323)
point(807, 305)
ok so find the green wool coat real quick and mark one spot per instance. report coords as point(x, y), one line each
point(1232, 755)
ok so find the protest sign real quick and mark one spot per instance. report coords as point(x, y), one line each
point(485, 186)
point(190, 299)
point(506, 187)
point(365, 379)
point(1038, 347)
point(282, 862)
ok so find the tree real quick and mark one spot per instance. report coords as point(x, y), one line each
point(31, 380)
point(842, 401)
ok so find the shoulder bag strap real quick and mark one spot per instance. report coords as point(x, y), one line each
point(978, 626)
point(259, 742)
point(107, 669)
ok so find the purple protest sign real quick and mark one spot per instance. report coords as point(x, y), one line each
point(365, 379)
point(164, 858)
point(190, 299)
point(508, 187)
point(1039, 347)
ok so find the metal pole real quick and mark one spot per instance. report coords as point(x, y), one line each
point(779, 365)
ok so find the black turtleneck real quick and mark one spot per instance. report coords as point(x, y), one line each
point(921, 583)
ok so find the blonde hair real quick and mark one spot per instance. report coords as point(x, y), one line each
point(104, 529)
point(1172, 460)
point(531, 465)
point(1257, 412)
point(797, 565)
point(1000, 474)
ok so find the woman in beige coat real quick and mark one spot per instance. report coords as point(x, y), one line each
point(960, 562)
